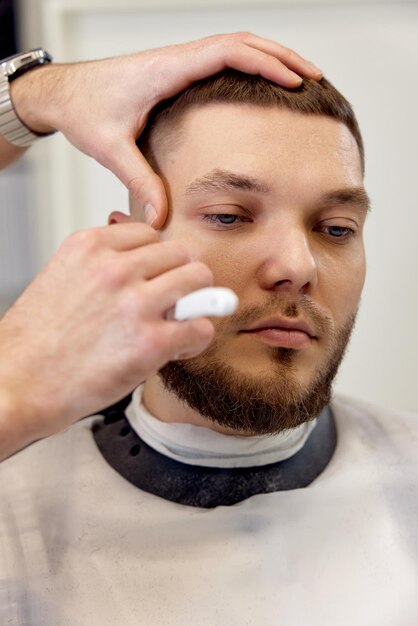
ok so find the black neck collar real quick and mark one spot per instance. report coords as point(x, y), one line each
point(208, 487)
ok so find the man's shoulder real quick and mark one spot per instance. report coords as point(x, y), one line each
point(358, 404)
point(364, 412)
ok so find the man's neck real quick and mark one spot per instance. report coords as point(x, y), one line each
point(166, 407)
point(199, 467)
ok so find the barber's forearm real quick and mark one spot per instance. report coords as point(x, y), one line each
point(34, 94)
point(9, 153)
point(31, 96)
point(21, 422)
point(13, 436)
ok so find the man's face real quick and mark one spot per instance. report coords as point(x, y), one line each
point(273, 202)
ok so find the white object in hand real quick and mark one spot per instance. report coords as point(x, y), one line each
point(217, 301)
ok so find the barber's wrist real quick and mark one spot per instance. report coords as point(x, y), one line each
point(32, 94)
point(22, 421)
point(13, 436)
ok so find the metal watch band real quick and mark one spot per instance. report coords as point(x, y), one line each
point(12, 129)
point(11, 126)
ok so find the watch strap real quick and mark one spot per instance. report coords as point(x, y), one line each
point(13, 129)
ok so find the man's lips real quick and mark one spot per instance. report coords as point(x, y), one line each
point(285, 333)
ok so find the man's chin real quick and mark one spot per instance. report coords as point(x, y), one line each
point(263, 404)
point(288, 366)
point(282, 396)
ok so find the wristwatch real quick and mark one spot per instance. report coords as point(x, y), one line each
point(11, 126)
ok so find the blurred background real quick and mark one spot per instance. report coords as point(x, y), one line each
point(369, 50)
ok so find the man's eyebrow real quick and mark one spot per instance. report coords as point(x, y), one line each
point(356, 196)
point(225, 180)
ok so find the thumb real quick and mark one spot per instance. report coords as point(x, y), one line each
point(148, 197)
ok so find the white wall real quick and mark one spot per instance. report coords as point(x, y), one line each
point(16, 226)
point(369, 51)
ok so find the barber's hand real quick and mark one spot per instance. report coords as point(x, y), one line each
point(102, 106)
point(92, 326)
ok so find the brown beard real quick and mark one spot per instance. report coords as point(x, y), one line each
point(265, 406)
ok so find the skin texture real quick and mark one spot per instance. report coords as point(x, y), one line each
point(279, 256)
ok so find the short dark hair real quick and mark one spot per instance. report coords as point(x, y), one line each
point(311, 98)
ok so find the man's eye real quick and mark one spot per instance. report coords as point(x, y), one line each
point(338, 232)
point(224, 219)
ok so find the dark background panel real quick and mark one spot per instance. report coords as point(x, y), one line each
point(8, 37)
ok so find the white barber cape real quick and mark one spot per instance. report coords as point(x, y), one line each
point(82, 546)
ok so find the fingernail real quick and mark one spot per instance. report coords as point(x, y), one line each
point(316, 69)
point(180, 357)
point(150, 213)
point(184, 355)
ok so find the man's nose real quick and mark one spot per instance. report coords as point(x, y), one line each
point(286, 259)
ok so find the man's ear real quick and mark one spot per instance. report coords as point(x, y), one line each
point(116, 217)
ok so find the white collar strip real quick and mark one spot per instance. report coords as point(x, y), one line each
point(198, 445)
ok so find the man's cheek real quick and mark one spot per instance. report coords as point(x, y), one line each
point(228, 264)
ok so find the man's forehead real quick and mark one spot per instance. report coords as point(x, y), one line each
point(220, 135)
point(248, 119)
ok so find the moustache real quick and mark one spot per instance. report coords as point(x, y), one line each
point(280, 305)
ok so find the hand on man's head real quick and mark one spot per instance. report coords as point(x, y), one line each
point(102, 106)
